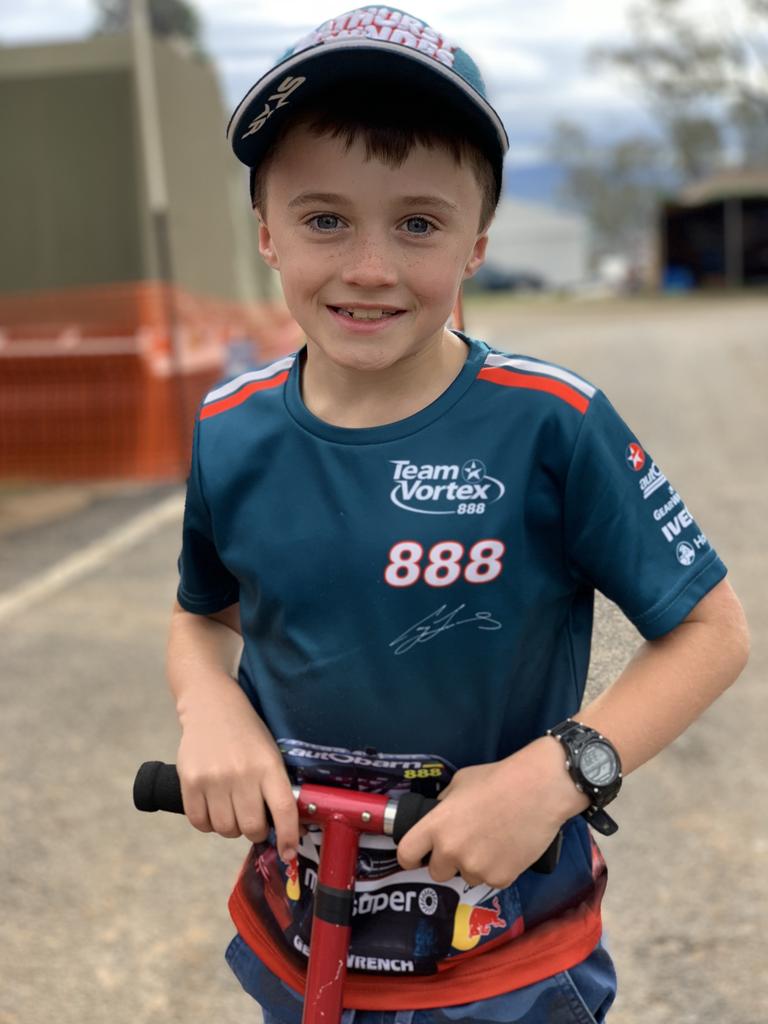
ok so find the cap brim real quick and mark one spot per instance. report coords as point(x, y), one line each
point(367, 62)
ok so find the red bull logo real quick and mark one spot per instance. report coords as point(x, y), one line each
point(292, 884)
point(483, 919)
point(473, 923)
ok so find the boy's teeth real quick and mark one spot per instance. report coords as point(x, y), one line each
point(366, 314)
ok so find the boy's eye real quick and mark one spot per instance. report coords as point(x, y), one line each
point(418, 226)
point(324, 222)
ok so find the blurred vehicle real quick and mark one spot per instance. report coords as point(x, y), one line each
point(490, 278)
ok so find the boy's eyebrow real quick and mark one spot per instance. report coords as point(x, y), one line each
point(312, 198)
point(334, 199)
point(437, 202)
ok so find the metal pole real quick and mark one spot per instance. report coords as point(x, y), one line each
point(157, 195)
point(734, 243)
point(457, 320)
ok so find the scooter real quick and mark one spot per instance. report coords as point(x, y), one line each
point(344, 815)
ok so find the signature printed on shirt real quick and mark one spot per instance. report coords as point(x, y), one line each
point(438, 622)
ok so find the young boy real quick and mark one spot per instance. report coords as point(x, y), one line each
point(406, 528)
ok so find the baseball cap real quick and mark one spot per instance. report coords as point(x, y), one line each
point(371, 46)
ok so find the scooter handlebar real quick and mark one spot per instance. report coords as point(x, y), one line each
point(157, 788)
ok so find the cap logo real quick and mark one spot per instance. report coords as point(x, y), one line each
point(386, 25)
point(279, 98)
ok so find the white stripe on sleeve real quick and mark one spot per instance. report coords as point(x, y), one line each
point(246, 378)
point(546, 369)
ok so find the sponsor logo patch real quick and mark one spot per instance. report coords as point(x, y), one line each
point(378, 964)
point(396, 900)
point(682, 521)
point(652, 481)
point(635, 456)
point(471, 923)
point(685, 553)
point(444, 489)
point(663, 510)
point(428, 901)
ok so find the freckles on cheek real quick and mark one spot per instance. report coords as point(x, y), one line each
point(435, 274)
point(440, 285)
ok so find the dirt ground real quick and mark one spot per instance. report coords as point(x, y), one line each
point(111, 916)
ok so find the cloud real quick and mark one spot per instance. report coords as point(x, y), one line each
point(36, 20)
point(533, 55)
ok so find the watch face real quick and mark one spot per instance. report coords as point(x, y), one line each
point(598, 764)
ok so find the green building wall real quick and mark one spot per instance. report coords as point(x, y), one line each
point(74, 208)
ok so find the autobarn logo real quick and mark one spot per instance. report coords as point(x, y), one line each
point(444, 489)
point(652, 481)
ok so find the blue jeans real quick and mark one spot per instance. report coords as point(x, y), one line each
point(582, 995)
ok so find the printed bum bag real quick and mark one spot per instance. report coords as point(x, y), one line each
point(403, 921)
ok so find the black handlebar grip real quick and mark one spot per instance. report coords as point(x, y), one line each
point(157, 788)
point(411, 807)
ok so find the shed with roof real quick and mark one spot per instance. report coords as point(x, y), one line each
point(715, 233)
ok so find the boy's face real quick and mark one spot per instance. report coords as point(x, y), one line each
point(354, 239)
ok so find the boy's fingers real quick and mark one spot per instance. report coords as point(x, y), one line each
point(251, 817)
point(222, 814)
point(285, 816)
point(414, 847)
point(442, 867)
point(195, 808)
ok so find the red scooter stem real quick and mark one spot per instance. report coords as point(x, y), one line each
point(343, 814)
point(331, 925)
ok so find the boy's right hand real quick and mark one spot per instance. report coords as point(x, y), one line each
point(231, 770)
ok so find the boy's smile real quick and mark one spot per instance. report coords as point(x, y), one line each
point(371, 256)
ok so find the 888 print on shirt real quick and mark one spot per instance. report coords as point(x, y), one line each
point(444, 489)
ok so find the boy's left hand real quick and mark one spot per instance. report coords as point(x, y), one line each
point(494, 820)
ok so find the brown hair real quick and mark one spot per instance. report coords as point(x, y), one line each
point(390, 125)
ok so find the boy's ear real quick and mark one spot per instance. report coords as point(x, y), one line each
point(266, 245)
point(477, 258)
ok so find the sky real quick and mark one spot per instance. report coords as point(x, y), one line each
point(533, 53)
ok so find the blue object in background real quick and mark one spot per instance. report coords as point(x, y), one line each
point(677, 279)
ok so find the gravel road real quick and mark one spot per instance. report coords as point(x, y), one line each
point(110, 917)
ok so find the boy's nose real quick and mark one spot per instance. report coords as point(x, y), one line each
point(370, 266)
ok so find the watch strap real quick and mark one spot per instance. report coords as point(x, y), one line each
point(574, 736)
point(600, 821)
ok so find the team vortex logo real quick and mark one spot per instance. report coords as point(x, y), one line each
point(444, 490)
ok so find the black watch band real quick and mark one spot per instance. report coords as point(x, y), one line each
point(594, 765)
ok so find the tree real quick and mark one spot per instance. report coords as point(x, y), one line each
point(706, 84)
point(616, 186)
point(167, 18)
point(705, 80)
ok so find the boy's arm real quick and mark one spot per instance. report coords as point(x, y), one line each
point(228, 762)
point(495, 820)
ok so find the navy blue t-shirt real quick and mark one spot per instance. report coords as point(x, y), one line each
point(429, 583)
point(427, 586)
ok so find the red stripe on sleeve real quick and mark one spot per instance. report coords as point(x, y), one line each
point(240, 396)
point(511, 379)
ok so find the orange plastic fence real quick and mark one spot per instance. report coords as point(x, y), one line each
point(105, 381)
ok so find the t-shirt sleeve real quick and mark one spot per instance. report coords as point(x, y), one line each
point(205, 583)
point(628, 532)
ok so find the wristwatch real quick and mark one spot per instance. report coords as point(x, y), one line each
point(595, 767)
